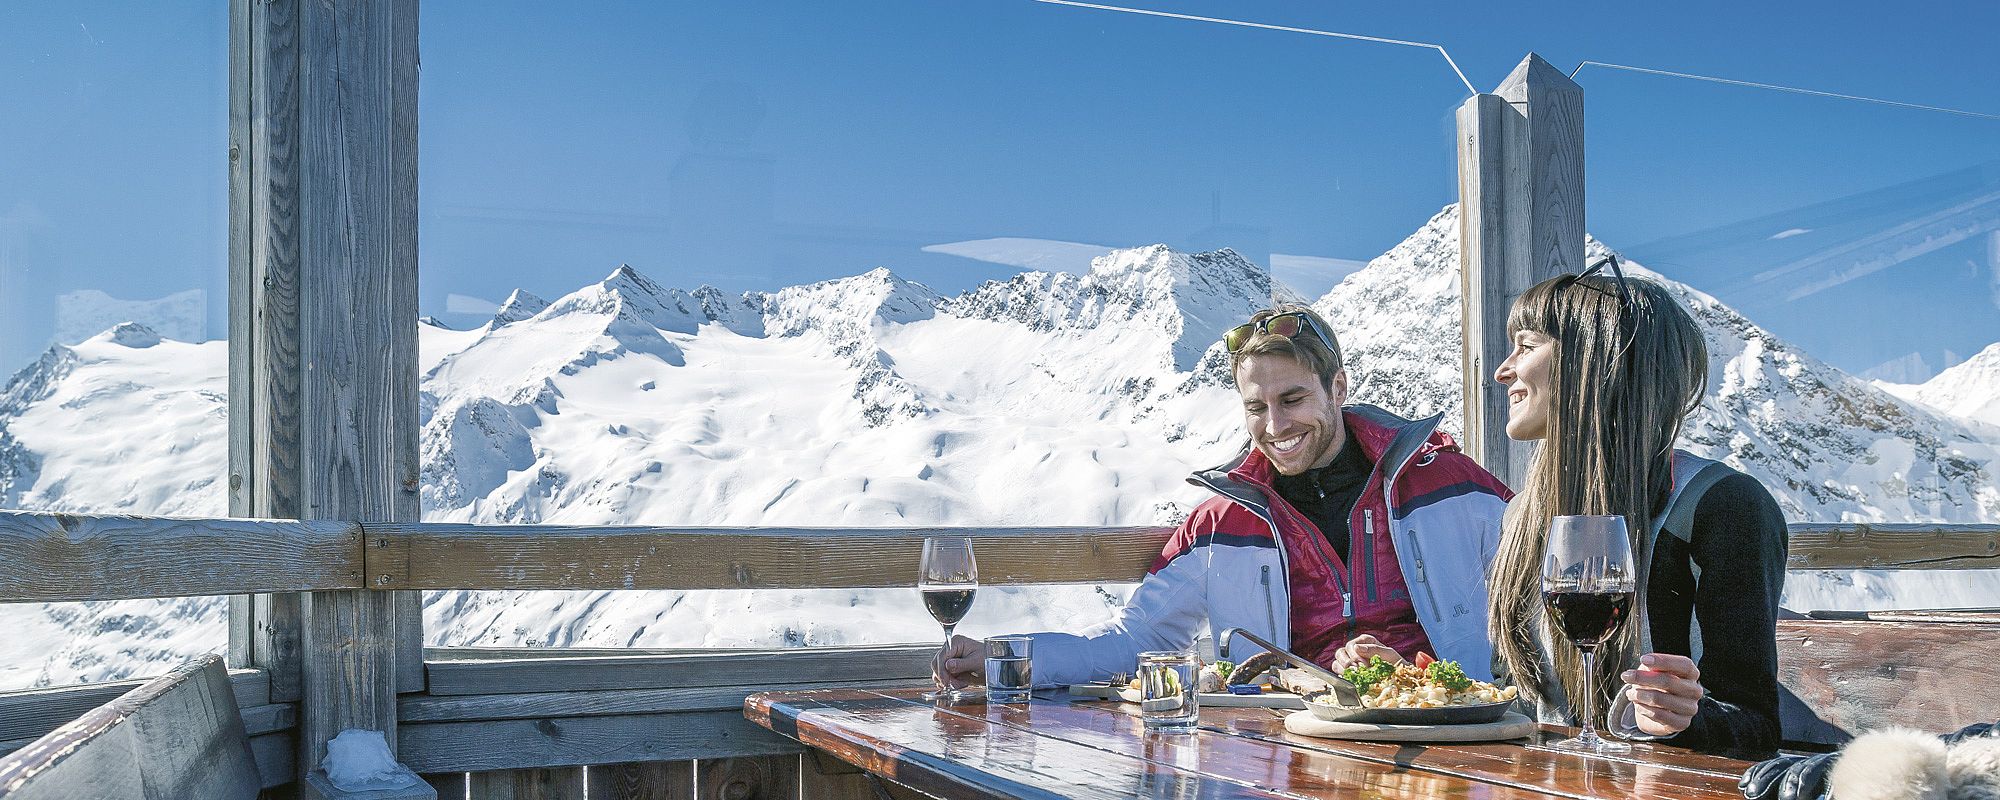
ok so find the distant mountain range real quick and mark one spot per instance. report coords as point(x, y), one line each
point(1051, 398)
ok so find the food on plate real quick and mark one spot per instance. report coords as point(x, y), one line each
point(1214, 677)
point(1255, 666)
point(1437, 684)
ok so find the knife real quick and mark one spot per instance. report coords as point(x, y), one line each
point(1344, 691)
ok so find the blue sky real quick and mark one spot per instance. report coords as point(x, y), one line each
point(755, 145)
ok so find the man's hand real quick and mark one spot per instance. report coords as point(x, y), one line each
point(1665, 692)
point(960, 663)
point(1359, 650)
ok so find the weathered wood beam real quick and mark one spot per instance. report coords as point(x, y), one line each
point(457, 556)
point(61, 557)
point(1870, 546)
point(277, 757)
point(1852, 676)
point(1521, 220)
point(33, 712)
point(114, 557)
point(242, 305)
point(796, 665)
point(265, 630)
point(748, 778)
point(553, 783)
point(529, 705)
point(356, 455)
point(179, 735)
point(574, 741)
point(646, 780)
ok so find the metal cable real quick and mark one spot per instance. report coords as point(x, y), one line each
point(1270, 27)
point(1775, 87)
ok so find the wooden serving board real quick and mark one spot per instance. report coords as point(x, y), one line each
point(1512, 726)
point(1208, 699)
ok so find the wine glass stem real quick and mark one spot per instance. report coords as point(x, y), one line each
point(1589, 695)
point(947, 643)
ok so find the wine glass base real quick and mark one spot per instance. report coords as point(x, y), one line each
point(1593, 744)
point(955, 697)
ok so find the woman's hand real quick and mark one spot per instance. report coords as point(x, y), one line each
point(960, 663)
point(1359, 650)
point(1665, 692)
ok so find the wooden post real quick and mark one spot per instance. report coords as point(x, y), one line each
point(357, 337)
point(323, 348)
point(1520, 190)
point(264, 630)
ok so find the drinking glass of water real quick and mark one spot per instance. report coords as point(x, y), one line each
point(1166, 691)
point(1009, 676)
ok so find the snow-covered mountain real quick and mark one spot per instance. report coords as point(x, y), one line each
point(1052, 398)
point(1969, 389)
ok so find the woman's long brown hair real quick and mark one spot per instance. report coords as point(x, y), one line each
point(1624, 375)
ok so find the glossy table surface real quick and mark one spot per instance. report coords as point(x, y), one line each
point(1057, 746)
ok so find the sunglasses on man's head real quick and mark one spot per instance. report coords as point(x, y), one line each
point(1624, 293)
point(1287, 325)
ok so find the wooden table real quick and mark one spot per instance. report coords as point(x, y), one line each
point(1057, 746)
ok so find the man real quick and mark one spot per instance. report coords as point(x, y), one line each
point(1340, 533)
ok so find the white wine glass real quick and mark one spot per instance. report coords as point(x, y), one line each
point(948, 577)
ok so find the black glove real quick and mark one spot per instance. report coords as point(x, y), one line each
point(1970, 731)
point(1788, 777)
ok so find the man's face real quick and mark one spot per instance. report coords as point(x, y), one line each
point(1290, 417)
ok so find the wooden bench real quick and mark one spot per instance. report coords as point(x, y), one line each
point(1843, 674)
point(177, 736)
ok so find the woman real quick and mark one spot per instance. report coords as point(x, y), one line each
point(1604, 370)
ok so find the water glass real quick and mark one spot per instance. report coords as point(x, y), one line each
point(1166, 691)
point(1009, 673)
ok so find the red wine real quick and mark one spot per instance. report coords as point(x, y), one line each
point(1588, 618)
point(948, 606)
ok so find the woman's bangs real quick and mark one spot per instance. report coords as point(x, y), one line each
point(1534, 311)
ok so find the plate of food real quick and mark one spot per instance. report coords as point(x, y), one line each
point(1426, 692)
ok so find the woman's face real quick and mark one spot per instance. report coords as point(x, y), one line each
point(1526, 373)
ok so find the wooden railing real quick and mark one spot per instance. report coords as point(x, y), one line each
point(65, 557)
point(554, 718)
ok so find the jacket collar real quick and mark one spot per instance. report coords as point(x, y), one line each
point(1389, 442)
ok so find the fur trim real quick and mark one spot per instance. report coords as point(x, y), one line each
point(1973, 766)
point(1896, 764)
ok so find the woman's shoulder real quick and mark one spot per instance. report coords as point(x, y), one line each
point(1741, 505)
point(1737, 491)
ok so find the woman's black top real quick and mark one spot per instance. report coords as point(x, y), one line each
point(1738, 552)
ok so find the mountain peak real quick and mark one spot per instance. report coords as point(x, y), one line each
point(520, 305)
point(37, 381)
point(1970, 388)
point(853, 303)
point(131, 334)
point(1189, 299)
point(627, 280)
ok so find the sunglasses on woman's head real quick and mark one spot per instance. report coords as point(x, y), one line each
point(1624, 293)
point(1287, 325)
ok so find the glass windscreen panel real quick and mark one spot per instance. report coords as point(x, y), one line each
point(891, 265)
point(113, 306)
point(1844, 259)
